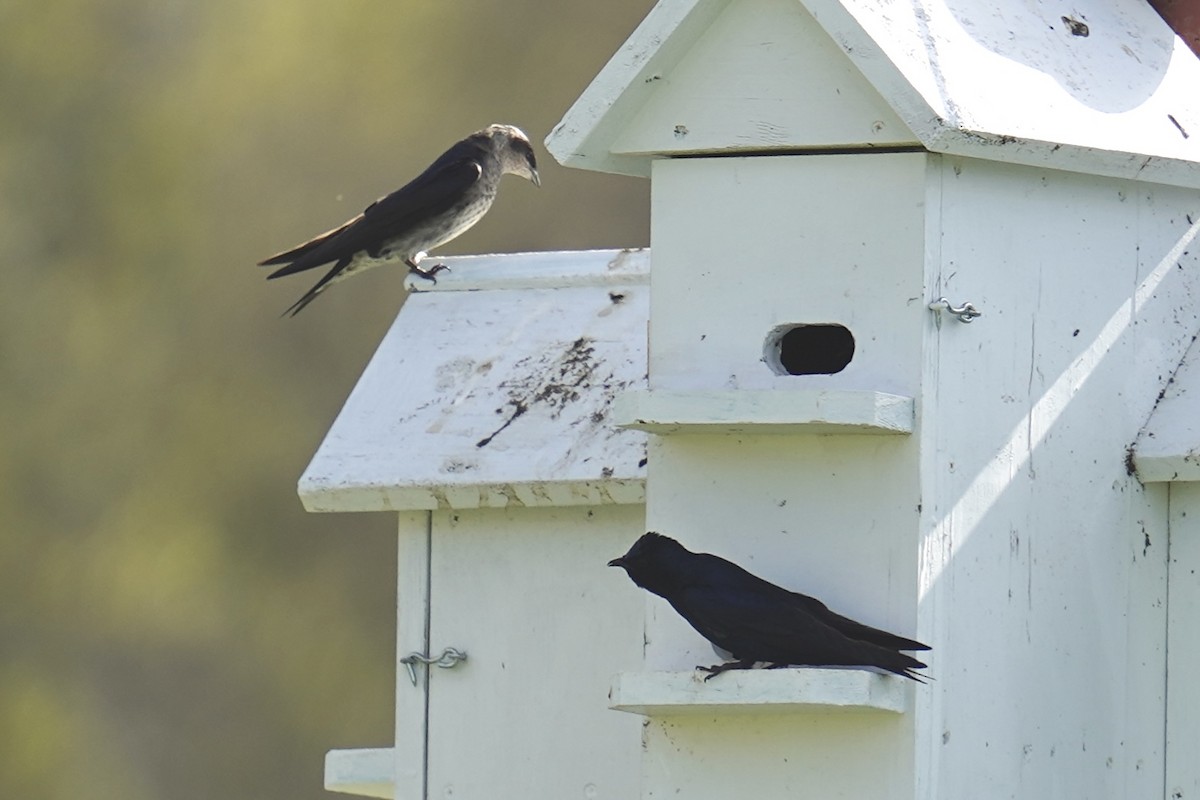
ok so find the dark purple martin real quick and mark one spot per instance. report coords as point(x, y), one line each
point(439, 204)
point(756, 621)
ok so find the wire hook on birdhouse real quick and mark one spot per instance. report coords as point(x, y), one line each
point(448, 658)
point(967, 312)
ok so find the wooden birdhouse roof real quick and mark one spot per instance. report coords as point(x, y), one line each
point(1097, 86)
point(492, 389)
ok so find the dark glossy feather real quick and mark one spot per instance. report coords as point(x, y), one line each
point(723, 572)
point(756, 620)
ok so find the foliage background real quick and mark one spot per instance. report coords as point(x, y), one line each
point(172, 624)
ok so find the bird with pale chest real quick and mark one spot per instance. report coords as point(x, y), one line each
point(438, 205)
point(757, 621)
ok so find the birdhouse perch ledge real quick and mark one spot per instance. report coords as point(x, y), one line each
point(661, 694)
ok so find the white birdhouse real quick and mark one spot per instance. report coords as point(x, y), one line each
point(839, 187)
point(483, 419)
point(920, 274)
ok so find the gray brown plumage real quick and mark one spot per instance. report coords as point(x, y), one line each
point(439, 204)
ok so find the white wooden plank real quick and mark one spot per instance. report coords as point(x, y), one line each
point(544, 270)
point(811, 411)
point(363, 772)
point(412, 635)
point(496, 397)
point(758, 691)
point(1183, 609)
point(354, 494)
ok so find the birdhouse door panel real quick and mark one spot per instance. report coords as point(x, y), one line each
point(545, 624)
point(764, 262)
point(1044, 558)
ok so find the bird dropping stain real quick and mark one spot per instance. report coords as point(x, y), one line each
point(547, 381)
point(1076, 27)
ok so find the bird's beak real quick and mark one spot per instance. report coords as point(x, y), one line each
point(617, 562)
point(537, 180)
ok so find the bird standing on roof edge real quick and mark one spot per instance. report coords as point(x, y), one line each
point(439, 204)
point(757, 621)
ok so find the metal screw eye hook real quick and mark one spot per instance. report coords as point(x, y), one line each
point(964, 313)
point(448, 658)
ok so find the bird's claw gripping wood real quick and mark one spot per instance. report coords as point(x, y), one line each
point(717, 669)
point(427, 274)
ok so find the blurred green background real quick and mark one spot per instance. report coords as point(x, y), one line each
point(172, 624)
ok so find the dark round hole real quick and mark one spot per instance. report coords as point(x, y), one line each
point(810, 349)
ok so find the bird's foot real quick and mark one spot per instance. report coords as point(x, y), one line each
point(428, 274)
point(717, 669)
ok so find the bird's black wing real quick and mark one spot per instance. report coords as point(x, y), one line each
point(855, 630)
point(754, 627)
point(720, 572)
point(751, 625)
point(431, 193)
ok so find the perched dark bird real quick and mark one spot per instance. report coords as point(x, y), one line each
point(439, 204)
point(756, 621)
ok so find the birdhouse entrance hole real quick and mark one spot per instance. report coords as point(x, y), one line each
point(823, 349)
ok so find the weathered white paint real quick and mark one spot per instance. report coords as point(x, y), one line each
point(1007, 82)
point(1042, 560)
point(363, 772)
point(831, 516)
point(1006, 532)
point(509, 588)
point(760, 691)
point(545, 623)
point(1168, 448)
point(495, 397)
point(1183, 692)
point(751, 81)
point(544, 270)
point(1011, 82)
point(743, 246)
point(765, 411)
point(414, 540)
point(777, 755)
point(752, 244)
point(583, 137)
